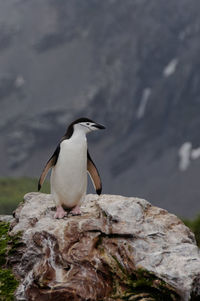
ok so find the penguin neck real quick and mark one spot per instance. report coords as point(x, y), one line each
point(79, 134)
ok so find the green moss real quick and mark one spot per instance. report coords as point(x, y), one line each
point(8, 245)
point(8, 285)
point(120, 268)
point(137, 285)
point(194, 225)
point(4, 239)
point(14, 243)
point(143, 285)
point(142, 281)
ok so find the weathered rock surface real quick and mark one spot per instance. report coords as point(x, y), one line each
point(110, 251)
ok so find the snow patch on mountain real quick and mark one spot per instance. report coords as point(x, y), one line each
point(195, 153)
point(186, 153)
point(170, 68)
point(19, 81)
point(143, 103)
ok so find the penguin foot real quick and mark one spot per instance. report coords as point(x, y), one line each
point(60, 212)
point(76, 210)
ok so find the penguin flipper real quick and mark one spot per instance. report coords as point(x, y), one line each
point(94, 174)
point(51, 162)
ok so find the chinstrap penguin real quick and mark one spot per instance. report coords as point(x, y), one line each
point(70, 163)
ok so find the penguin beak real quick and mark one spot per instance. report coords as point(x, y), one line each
point(99, 126)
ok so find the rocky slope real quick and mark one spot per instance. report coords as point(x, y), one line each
point(119, 247)
point(132, 65)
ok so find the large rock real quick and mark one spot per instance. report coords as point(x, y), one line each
point(120, 247)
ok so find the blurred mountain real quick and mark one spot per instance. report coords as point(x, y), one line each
point(132, 65)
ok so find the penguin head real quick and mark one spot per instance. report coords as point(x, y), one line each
point(87, 125)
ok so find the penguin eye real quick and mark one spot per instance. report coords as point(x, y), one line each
point(88, 123)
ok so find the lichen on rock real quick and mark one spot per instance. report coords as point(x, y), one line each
point(118, 249)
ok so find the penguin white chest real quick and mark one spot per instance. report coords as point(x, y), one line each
point(69, 176)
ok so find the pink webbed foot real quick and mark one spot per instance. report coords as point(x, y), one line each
point(60, 212)
point(76, 210)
